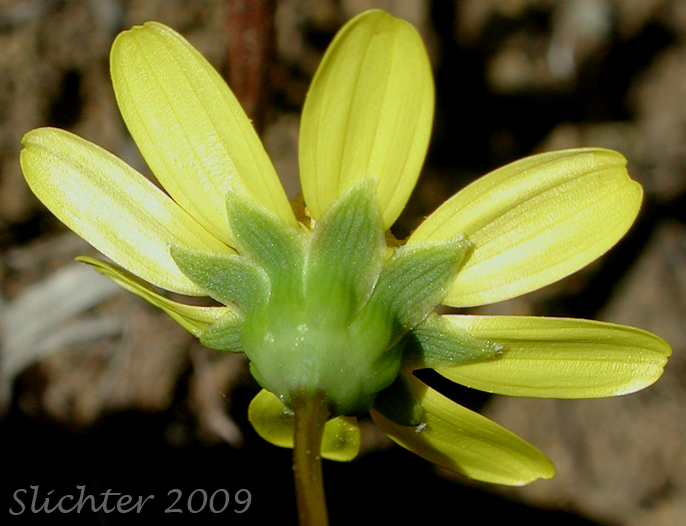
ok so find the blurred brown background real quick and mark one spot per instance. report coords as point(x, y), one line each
point(98, 388)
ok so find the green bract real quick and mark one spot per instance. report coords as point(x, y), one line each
point(322, 306)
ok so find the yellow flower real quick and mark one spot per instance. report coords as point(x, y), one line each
point(316, 299)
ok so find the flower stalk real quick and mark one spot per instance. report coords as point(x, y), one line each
point(311, 413)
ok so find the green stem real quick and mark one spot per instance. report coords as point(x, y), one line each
point(310, 417)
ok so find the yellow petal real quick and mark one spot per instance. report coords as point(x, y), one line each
point(274, 422)
point(535, 221)
point(368, 114)
point(560, 357)
point(194, 319)
point(465, 442)
point(113, 207)
point(189, 127)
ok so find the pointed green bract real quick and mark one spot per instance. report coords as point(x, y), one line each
point(414, 281)
point(263, 237)
point(368, 114)
point(229, 279)
point(346, 255)
point(194, 319)
point(189, 127)
point(560, 357)
point(113, 207)
point(465, 442)
point(535, 221)
point(436, 342)
point(274, 422)
point(224, 334)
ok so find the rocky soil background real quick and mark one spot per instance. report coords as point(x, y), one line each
point(99, 389)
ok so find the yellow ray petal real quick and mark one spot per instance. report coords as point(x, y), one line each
point(535, 221)
point(560, 357)
point(113, 207)
point(275, 423)
point(194, 319)
point(466, 442)
point(368, 114)
point(189, 127)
